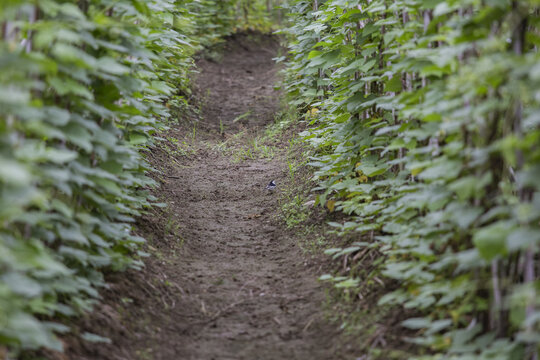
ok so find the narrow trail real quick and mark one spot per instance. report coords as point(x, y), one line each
point(251, 296)
point(238, 287)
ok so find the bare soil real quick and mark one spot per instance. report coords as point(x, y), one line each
point(226, 280)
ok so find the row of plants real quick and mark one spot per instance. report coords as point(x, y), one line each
point(426, 120)
point(84, 86)
point(217, 19)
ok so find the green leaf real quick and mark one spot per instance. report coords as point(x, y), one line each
point(93, 338)
point(12, 172)
point(523, 238)
point(21, 285)
point(491, 240)
point(393, 84)
point(111, 66)
point(416, 323)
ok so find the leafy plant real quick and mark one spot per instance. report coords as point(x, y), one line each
point(84, 87)
point(426, 131)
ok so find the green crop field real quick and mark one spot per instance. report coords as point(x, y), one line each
point(421, 127)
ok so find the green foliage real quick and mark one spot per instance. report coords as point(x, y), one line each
point(218, 18)
point(84, 87)
point(425, 118)
point(294, 211)
point(293, 200)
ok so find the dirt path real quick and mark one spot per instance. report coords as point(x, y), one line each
point(229, 282)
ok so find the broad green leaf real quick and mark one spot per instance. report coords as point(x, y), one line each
point(491, 240)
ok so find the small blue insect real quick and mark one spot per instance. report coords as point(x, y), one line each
point(271, 185)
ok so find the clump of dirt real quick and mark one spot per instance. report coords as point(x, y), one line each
point(226, 280)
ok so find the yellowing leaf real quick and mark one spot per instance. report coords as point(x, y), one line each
point(416, 171)
point(331, 204)
point(312, 113)
point(455, 315)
